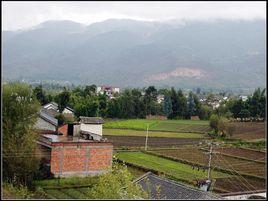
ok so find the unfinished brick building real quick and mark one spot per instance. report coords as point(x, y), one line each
point(71, 154)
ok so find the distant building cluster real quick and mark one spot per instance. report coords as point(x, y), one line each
point(109, 90)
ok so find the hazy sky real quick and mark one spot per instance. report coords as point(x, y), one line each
point(23, 14)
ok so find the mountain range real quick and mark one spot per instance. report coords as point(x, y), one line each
point(219, 54)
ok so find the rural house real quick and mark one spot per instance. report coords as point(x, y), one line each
point(46, 121)
point(73, 149)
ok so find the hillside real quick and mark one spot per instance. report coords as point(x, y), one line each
point(220, 54)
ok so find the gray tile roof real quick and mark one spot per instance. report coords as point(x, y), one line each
point(48, 117)
point(91, 120)
point(169, 189)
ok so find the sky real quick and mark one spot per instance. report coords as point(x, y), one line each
point(22, 14)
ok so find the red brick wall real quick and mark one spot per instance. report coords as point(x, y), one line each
point(63, 129)
point(81, 159)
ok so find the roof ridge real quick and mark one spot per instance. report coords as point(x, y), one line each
point(183, 185)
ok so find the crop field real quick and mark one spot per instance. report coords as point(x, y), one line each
point(249, 130)
point(140, 133)
point(244, 153)
point(133, 141)
point(195, 155)
point(179, 126)
point(235, 184)
point(68, 193)
point(178, 170)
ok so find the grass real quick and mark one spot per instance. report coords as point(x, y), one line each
point(161, 125)
point(178, 170)
point(140, 133)
point(73, 181)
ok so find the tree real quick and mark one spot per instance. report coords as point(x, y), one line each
point(117, 184)
point(40, 95)
point(20, 109)
point(167, 106)
point(150, 98)
point(90, 90)
point(191, 105)
point(214, 122)
point(63, 99)
point(230, 129)
point(222, 126)
point(182, 105)
point(174, 102)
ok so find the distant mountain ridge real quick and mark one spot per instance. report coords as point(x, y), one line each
point(218, 54)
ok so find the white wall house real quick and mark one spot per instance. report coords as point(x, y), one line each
point(68, 110)
point(51, 105)
point(91, 124)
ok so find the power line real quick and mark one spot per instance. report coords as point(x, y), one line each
point(239, 175)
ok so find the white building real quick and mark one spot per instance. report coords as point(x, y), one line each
point(160, 98)
point(91, 125)
point(244, 98)
point(51, 106)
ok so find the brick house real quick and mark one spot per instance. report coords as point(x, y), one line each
point(74, 151)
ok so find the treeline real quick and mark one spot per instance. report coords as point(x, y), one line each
point(254, 107)
point(138, 103)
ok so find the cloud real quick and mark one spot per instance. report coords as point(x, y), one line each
point(18, 15)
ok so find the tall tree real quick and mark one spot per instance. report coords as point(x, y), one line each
point(20, 109)
point(63, 99)
point(167, 106)
point(174, 102)
point(40, 94)
point(182, 105)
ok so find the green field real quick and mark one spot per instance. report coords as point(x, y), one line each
point(180, 126)
point(177, 170)
point(70, 193)
point(140, 133)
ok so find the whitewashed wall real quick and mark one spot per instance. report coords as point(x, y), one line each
point(93, 128)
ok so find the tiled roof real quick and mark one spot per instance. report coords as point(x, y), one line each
point(51, 112)
point(48, 117)
point(91, 120)
point(68, 108)
point(169, 189)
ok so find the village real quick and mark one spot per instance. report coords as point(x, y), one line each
point(133, 100)
point(71, 146)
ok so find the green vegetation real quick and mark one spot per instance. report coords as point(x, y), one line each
point(161, 125)
point(125, 132)
point(178, 170)
point(116, 184)
point(66, 182)
point(260, 145)
point(19, 116)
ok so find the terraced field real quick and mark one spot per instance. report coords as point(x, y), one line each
point(140, 133)
point(178, 170)
point(244, 153)
point(195, 155)
point(249, 130)
point(179, 126)
point(153, 142)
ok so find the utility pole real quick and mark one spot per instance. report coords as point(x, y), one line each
point(146, 138)
point(209, 161)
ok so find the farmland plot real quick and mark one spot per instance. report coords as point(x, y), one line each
point(244, 153)
point(182, 126)
point(195, 155)
point(178, 170)
point(249, 130)
point(124, 132)
point(133, 141)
